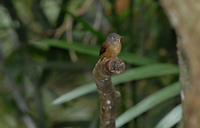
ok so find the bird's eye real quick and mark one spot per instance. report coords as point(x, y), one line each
point(113, 37)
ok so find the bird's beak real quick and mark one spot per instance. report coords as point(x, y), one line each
point(121, 37)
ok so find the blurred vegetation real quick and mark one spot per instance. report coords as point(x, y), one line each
point(48, 49)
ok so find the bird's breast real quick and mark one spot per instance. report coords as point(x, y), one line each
point(113, 50)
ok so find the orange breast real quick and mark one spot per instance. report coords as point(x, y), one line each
point(112, 50)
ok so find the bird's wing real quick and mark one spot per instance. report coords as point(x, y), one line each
point(103, 48)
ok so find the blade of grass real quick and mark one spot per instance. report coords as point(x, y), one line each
point(172, 118)
point(78, 47)
point(154, 70)
point(80, 91)
point(148, 103)
point(94, 51)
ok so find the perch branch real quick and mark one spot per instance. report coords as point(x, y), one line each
point(107, 94)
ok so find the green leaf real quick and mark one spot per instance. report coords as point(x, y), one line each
point(154, 70)
point(94, 51)
point(172, 118)
point(143, 72)
point(80, 91)
point(78, 47)
point(148, 103)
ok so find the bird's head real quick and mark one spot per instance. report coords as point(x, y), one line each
point(113, 38)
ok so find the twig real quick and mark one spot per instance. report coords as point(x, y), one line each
point(60, 30)
point(107, 94)
point(96, 24)
point(69, 38)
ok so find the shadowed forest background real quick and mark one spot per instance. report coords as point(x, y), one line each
point(48, 49)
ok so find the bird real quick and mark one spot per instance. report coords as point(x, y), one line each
point(111, 47)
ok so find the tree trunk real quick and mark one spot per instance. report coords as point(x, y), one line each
point(184, 16)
